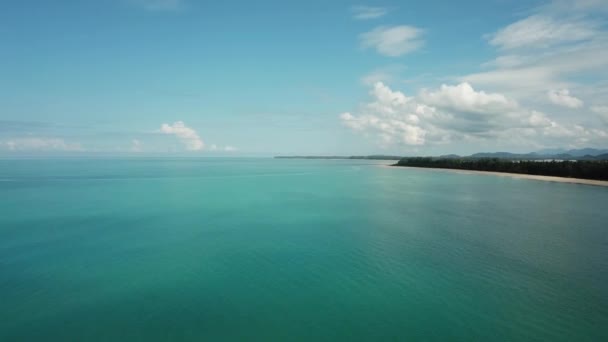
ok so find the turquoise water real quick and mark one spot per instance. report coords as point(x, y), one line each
point(262, 249)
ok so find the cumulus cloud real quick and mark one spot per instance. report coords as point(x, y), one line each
point(453, 113)
point(389, 130)
point(368, 12)
point(159, 5)
point(185, 134)
point(479, 113)
point(390, 118)
point(558, 43)
point(393, 41)
point(464, 98)
point(563, 98)
point(39, 144)
point(542, 31)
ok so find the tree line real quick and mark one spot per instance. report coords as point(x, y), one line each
point(585, 169)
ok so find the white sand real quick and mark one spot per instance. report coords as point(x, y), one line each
point(517, 175)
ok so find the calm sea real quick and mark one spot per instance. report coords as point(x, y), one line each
point(263, 249)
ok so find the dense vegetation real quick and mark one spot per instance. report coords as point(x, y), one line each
point(574, 169)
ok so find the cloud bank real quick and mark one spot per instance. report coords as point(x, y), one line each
point(459, 113)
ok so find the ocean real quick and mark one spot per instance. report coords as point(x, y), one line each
point(261, 249)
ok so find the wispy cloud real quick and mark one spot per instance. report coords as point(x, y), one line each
point(393, 41)
point(541, 31)
point(159, 5)
point(188, 136)
point(550, 55)
point(368, 12)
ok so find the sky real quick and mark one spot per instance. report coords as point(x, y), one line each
point(315, 77)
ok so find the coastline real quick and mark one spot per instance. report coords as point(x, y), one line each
point(514, 175)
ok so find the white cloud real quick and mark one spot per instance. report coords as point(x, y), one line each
point(187, 135)
point(390, 118)
point(563, 98)
point(561, 47)
point(39, 144)
point(478, 113)
point(521, 80)
point(464, 98)
point(538, 31)
point(389, 130)
point(368, 12)
point(159, 5)
point(393, 41)
point(533, 72)
point(454, 113)
point(558, 42)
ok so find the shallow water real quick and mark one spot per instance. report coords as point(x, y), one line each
point(263, 249)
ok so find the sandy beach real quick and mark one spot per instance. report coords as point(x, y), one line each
point(516, 175)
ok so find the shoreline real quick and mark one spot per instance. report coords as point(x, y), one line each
point(514, 175)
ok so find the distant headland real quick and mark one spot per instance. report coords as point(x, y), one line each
point(581, 164)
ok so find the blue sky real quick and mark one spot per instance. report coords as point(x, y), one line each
point(186, 77)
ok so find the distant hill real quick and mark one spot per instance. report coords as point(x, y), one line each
point(548, 154)
point(552, 151)
point(586, 151)
point(578, 154)
point(506, 155)
point(575, 153)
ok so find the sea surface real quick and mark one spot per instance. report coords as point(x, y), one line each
point(284, 250)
